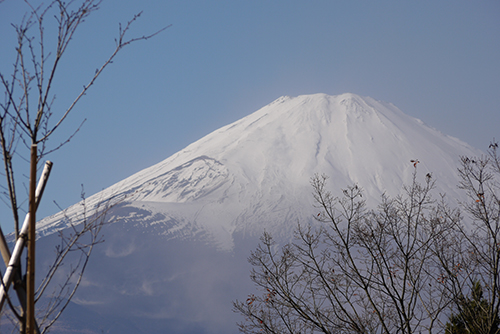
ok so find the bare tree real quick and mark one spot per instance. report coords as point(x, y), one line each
point(360, 271)
point(404, 268)
point(474, 263)
point(27, 122)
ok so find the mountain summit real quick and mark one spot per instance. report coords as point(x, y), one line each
point(254, 173)
point(175, 257)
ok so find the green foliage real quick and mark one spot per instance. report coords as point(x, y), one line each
point(476, 315)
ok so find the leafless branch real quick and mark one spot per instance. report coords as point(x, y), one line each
point(27, 117)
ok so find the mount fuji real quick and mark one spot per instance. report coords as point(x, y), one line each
point(175, 256)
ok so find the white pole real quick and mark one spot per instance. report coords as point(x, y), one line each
point(21, 241)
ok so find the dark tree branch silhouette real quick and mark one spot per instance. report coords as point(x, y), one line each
point(28, 120)
point(403, 268)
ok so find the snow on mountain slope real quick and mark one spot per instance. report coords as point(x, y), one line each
point(255, 172)
point(161, 267)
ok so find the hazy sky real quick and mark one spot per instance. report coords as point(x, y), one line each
point(438, 61)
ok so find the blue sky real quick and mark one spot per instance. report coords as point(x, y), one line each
point(438, 61)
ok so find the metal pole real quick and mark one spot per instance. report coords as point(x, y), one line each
point(21, 241)
point(30, 288)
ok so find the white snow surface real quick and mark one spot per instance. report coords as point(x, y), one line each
point(254, 174)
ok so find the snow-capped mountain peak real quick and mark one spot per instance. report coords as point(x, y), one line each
point(250, 175)
point(175, 254)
